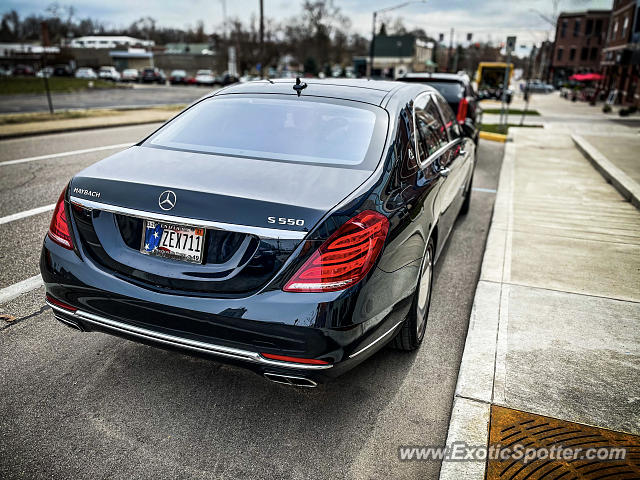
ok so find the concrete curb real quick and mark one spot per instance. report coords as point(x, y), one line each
point(6, 136)
point(474, 395)
point(494, 137)
point(629, 188)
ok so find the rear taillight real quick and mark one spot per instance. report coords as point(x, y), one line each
point(463, 106)
point(345, 257)
point(59, 230)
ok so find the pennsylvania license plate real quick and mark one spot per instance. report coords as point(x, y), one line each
point(173, 241)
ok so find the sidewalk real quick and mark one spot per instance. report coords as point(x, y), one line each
point(553, 108)
point(102, 119)
point(555, 327)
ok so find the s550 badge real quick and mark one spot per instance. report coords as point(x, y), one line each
point(298, 222)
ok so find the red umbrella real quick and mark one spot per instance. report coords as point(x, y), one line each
point(586, 77)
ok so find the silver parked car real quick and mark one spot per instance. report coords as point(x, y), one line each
point(86, 73)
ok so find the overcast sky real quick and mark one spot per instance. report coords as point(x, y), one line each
point(492, 19)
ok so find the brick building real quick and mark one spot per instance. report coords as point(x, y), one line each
point(620, 59)
point(580, 37)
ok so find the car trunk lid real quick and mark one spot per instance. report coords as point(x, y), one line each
point(255, 211)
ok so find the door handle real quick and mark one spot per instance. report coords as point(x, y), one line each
point(444, 172)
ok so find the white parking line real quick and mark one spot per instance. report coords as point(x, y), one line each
point(485, 190)
point(13, 291)
point(26, 213)
point(65, 154)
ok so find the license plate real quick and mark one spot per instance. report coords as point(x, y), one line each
point(173, 241)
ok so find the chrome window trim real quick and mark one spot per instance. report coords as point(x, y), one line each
point(195, 345)
point(190, 222)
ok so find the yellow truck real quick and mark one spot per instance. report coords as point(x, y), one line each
point(490, 77)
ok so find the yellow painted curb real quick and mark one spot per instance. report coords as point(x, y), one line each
point(494, 137)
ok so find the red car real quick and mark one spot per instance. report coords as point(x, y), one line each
point(23, 70)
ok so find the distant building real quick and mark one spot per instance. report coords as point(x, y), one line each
point(580, 37)
point(194, 48)
point(104, 41)
point(621, 54)
point(540, 64)
point(137, 58)
point(395, 55)
point(9, 49)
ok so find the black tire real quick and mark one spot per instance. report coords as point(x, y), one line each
point(412, 332)
point(464, 209)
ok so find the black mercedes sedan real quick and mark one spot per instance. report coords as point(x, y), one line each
point(289, 228)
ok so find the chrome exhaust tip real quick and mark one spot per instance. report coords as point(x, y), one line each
point(290, 380)
point(69, 323)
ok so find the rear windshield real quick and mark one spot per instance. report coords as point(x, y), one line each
point(273, 128)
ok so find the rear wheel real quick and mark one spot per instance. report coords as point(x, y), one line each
point(412, 332)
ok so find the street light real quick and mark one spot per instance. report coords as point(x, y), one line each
point(373, 33)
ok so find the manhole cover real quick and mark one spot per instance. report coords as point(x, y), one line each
point(563, 450)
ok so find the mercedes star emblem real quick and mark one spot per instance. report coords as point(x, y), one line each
point(167, 200)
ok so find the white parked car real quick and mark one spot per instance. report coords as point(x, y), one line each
point(109, 73)
point(205, 77)
point(86, 73)
point(45, 72)
point(129, 75)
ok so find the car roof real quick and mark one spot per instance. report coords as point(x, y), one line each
point(447, 77)
point(361, 90)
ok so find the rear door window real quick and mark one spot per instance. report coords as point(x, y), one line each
point(450, 122)
point(430, 127)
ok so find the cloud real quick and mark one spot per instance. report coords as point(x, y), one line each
point(494, 19)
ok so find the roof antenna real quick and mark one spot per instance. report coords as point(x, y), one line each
point(298, 87)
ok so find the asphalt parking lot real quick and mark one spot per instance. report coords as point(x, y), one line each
point(79, 405)
point(139, 96)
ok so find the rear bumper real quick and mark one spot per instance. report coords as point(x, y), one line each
point(85, 321)
point(329, 327)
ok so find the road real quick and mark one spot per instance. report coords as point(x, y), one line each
point(139, 96)
point(89, 405)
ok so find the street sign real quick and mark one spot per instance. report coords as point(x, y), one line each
point(511, 44)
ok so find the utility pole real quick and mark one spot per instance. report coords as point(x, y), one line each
point(45, 43)
point(504, 111)
point(262, 62)
point(450, 50)
point(527, 94)
point(372, 46)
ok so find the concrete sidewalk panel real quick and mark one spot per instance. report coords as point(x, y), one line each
point(604, 269)
point(573, 357)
